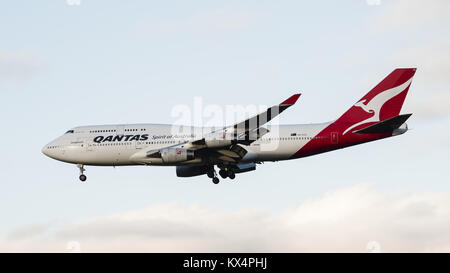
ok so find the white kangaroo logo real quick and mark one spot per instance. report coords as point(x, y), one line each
point(375, 104)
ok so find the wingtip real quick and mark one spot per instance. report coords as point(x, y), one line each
point(291, 100)
point(406, 70)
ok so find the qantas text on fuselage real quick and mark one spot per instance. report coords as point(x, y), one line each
point(239, 147)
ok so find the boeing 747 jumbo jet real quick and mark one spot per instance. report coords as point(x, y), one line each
point(239, 147)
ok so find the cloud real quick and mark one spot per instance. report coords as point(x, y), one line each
point(344, 220)
point(18, 66)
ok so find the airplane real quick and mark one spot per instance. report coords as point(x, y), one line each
point(237, 148)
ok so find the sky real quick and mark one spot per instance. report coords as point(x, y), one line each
point(67, 63)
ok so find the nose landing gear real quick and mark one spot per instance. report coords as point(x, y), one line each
point(82, 176)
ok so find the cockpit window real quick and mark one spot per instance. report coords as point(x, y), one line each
point(69, 132)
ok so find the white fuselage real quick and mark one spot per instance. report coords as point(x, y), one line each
point(238, 147)
point(116, 145)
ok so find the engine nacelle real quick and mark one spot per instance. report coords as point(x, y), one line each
point(217, 143)
point(189, 171)
point(217, 140)
point(174, 155)
point(244, 167)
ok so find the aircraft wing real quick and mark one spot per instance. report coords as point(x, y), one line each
point(221, 145)
point(256, 121)
point(246, 131)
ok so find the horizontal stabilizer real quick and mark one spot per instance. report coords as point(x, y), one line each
point(385, 126)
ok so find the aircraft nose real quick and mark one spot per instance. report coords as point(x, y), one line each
point(45, 150)
point(50, 150)
point(54, 149)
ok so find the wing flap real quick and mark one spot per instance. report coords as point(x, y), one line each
point(226, 159)
point(228, 153)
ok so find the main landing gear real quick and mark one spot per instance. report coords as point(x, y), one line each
point(224, 173)
point(215, 180)
point(212, 174)
point(82, 176)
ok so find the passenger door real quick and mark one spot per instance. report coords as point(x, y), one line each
point(120, 129)
point(139, 145)
point(89, 145)
point(334, 138)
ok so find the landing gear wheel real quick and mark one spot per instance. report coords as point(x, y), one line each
point(210, 173)
point(223, 173)
point(82, 176)
point(215, 180)
point(231, 174)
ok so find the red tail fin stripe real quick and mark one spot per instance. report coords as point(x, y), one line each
point(375, 104)
point(384, 101)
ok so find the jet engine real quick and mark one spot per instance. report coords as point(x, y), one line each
point(174, 155)
point(216, 143)
point(217, 140)
point(244, 167)
point(189, 171)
